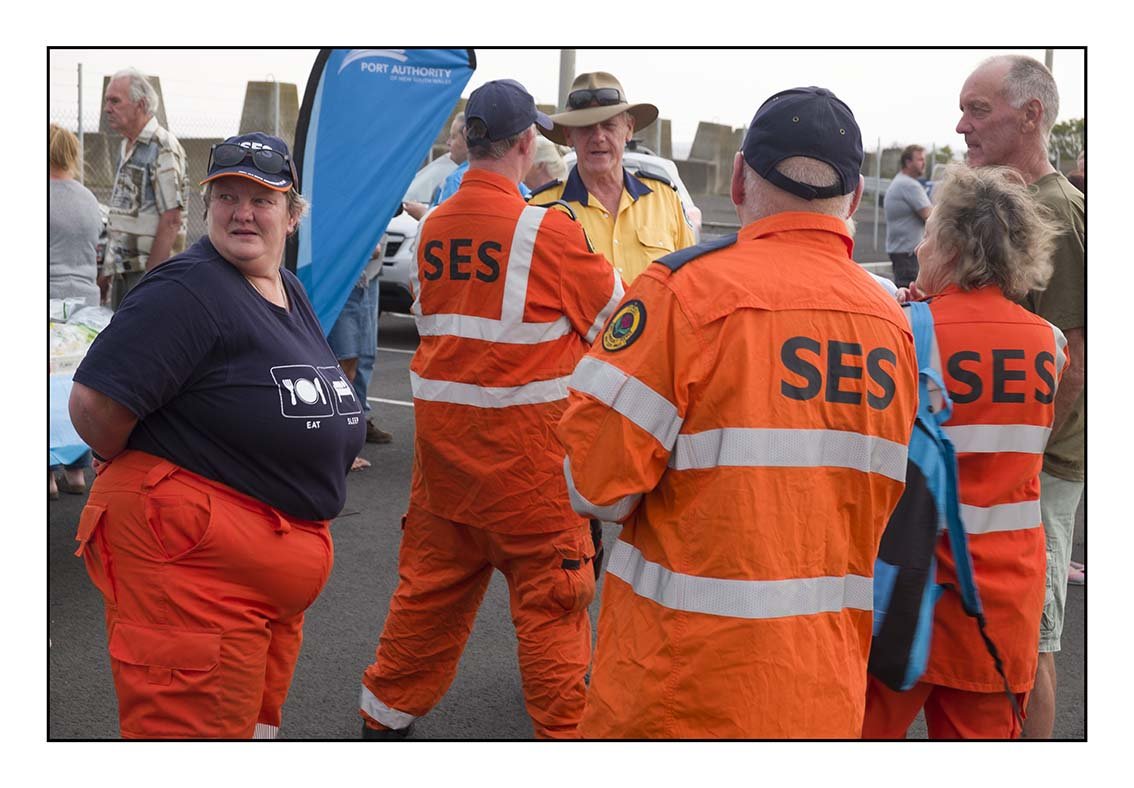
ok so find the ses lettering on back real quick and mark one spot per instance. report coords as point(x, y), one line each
point(454, 258)
point(1009, 370)
point(845, 361)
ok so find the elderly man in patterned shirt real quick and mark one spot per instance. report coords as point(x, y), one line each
point(147, 223)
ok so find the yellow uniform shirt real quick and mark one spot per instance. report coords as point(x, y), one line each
point(650, 222)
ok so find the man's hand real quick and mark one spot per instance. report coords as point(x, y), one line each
point(104, 289)
point(415, 209)
point(168, 227)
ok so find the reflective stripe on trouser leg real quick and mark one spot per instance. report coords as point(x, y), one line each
point(550, 584)
point(443, 574)
point(190, 609)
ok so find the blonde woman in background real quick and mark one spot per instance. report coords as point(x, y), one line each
point(74, 223)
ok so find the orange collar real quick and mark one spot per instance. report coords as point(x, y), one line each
point(490, 180)
point(955, 289)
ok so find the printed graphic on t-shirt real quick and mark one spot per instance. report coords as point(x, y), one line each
point(308, 392)
point(346, 401)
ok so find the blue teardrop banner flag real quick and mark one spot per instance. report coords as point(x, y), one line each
point(368, 119)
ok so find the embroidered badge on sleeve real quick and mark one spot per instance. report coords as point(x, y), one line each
point(625, 327)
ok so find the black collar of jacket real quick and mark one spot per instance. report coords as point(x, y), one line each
point(576, 190)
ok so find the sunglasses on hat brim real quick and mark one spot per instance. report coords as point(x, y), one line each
point(266, 160)
point(604, 97)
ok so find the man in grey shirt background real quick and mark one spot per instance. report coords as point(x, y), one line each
point(907, 207)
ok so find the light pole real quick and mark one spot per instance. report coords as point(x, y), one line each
point(566, 75)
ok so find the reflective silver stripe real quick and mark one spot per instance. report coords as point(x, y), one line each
point(608, 310)
point(613, 513)
point(263, 731)
point(391, 718)
point(534, 393)
point(739, 598)
point(783, 448)
point(1004, 517)
point(1060, 351)
point(990, 438)
point(629, 396)
point(520, 265)
point(491, 330)
point(510, 328)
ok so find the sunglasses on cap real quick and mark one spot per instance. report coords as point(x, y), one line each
point(604, 97)
point(270, 162)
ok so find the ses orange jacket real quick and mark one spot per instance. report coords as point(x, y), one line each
point(507, 299)
point(1001, 365)
point(746, 413)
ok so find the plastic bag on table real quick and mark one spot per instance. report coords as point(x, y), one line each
point(65, 339)
point(96, 318)
point(60, 309)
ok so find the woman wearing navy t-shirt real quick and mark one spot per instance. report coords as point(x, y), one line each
point(223, 430)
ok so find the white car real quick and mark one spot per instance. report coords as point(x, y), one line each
point(401, 238)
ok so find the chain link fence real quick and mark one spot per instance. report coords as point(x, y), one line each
point(196, 131)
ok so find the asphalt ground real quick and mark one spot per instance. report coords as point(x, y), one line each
point(485, 701)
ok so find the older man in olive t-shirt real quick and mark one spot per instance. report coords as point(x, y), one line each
point(1008, 106)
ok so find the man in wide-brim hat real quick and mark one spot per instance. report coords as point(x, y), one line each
point(633, 219)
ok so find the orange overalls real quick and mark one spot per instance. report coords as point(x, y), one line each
point(1001, 365)
point(507, 299)
point(205, 590)
point(749, 412)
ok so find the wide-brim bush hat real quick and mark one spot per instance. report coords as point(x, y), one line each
point(607, 90)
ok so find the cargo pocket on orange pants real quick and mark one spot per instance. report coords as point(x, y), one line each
point(168, 681)
point(92, 549)
point(180, 517)
point(574, 583)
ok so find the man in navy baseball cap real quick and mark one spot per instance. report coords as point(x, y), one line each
point(805, 122)
point(257, 156)
point(498, 110)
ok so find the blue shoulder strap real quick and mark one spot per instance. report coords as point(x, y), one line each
point(946, 488)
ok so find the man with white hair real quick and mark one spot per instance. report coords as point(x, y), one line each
point(745, 415)
point(631, 220)
point(147, 223)
point(1008, 106)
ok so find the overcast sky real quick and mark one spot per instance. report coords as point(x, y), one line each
point(898, 95)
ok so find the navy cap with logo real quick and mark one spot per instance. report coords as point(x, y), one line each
point(810, 122)
point(505, 108)
point(257, 156)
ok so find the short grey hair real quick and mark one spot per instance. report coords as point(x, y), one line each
point(1028, 79)
point(140, 88)
point(481, 150)
point(297, 204)
point(999, 234)
point(799, 168)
